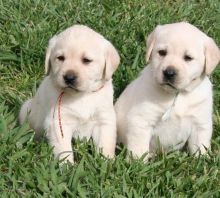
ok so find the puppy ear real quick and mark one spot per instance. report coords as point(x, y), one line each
point(150, 42)
point(150, 45)
point(112, 61)
point(51, 45)
point(212, 56)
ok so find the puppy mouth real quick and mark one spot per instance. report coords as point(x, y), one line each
point(72, 88)
point(169, 84)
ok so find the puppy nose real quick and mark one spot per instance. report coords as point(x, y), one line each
point(169, 73)
point(70, 78)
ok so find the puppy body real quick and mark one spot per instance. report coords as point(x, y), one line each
point(153, 113)
point(86, 106)
point(139, 117)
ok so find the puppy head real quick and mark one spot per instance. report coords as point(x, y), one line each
point(181, 55)
point(81, 59)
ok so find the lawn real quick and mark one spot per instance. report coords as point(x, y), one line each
point(27, 168)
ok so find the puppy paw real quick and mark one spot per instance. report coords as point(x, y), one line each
point(109, 155)
point(145, 157)
point(66, 157)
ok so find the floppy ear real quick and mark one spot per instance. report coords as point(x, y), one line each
point(212, 56)
point(150, 45)
point(112, 61)
point(150, 42)
point(51, 45)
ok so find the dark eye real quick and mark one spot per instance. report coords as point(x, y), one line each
point(86, 60)
point(187, 58)
point(162, 52)
point(61, 58)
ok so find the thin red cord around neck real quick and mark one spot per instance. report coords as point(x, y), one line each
point(59, 100)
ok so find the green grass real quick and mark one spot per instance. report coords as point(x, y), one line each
point(27, 168)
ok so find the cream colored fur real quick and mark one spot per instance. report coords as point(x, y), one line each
point(87, 107)
point(141, 107)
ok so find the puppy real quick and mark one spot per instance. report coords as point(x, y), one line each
point(170, 103)
point(75, 99)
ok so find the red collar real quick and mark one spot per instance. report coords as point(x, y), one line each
point(99, 88)
point(59, 111)
point(59, 100)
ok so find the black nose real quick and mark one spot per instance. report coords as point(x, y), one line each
point(169, 73)
point(70, 78)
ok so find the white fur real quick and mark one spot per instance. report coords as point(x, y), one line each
point(86, 109)
point(144, 102)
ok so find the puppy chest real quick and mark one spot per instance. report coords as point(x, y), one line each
point(80, 120)
point(80, 116)
point(172, 132)
point(84, 128)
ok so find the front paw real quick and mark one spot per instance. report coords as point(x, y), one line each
point(65, 157)
point(108, 153)
point(146, 157)
point(199, 150)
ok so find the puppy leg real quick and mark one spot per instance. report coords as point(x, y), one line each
point(25, 110)
point(200, 139)
point(104, 135)
point(62, 148)
point(139, 134)
point(138, 141)
point(62, 145)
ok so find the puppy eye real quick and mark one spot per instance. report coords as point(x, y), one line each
point(86, 60)
point(187, 58)
point(162, 52)
point(61, 58)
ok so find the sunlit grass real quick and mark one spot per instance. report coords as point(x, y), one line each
point(27, 168)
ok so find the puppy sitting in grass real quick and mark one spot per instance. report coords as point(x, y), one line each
point(170, 103)
point(75, 99)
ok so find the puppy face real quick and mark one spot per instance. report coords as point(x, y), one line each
point(180, 55)
point(80, 59)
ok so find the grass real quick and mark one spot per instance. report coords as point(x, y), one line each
point(27, 168)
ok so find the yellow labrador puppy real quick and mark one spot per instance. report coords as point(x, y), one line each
point(170, 103)
point(75, 99)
